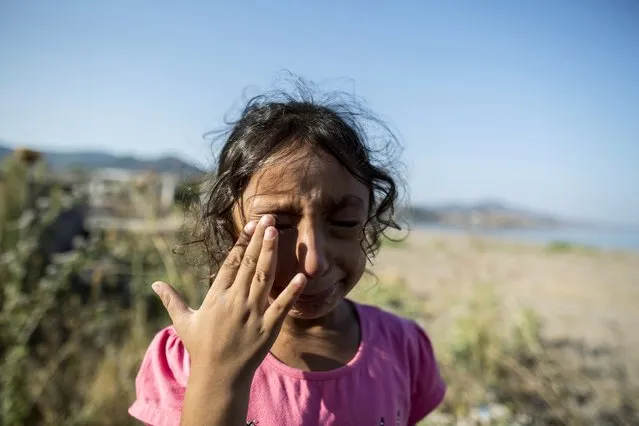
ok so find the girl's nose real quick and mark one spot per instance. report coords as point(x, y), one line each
point(311, 253)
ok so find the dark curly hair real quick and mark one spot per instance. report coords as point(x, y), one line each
point(279, 122)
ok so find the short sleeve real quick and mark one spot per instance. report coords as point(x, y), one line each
point(161, 381)
point(427, 387)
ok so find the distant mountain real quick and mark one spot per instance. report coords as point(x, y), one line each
point(483, 214)
point(60, 162)
point(4, 151)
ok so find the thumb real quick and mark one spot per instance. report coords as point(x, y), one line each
point(177, 309)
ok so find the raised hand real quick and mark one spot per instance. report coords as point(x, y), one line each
point(231, 333)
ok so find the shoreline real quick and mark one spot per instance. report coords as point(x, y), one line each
point(626, 241)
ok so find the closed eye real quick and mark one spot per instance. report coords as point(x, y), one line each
point(283, 226)
point(284, 222)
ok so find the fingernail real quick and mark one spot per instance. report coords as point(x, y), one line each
point(270, 233)
point(299, 280)
point(267, 220)
point(250, 227)
point(156, 287)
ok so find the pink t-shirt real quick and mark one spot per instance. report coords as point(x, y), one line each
point(393, 380)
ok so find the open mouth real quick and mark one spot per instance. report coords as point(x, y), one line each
point(309, 298)
point(317, 296)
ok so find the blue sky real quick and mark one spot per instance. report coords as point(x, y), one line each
point(534, 102)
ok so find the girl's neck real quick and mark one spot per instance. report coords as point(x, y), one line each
point(322, 344)
point(340, 319)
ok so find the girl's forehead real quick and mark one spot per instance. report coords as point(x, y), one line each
point(305, 175)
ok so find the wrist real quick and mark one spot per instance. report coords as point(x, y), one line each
point(226, 398)
point(212, 377)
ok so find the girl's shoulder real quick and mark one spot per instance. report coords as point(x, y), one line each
point(161, 380)
point(403, 342)
point(388, 325)
point(167, 352)
point(395, 336)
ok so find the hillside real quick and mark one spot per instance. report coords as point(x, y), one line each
point(62, 161)
point(483, 214)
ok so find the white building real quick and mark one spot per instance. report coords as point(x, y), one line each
point(111, 185)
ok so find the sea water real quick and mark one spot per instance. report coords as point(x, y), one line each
point(601, 238)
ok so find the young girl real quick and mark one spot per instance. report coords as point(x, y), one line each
point(298, 203)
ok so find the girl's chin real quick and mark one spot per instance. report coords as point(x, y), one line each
point(302, 311)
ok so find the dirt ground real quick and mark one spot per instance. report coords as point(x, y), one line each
point(587, 295)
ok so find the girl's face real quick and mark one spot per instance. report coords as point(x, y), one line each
point(320, 210)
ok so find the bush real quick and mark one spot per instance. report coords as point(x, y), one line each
point(73, 326)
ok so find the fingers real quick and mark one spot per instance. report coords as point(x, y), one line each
point(264, 270)
point(177, 309)
point(228, 270)
point(277, 312)
point(249, 262)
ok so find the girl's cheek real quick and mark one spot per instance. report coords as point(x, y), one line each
point(354, 260)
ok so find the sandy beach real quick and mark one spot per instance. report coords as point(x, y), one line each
point(585, 295)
